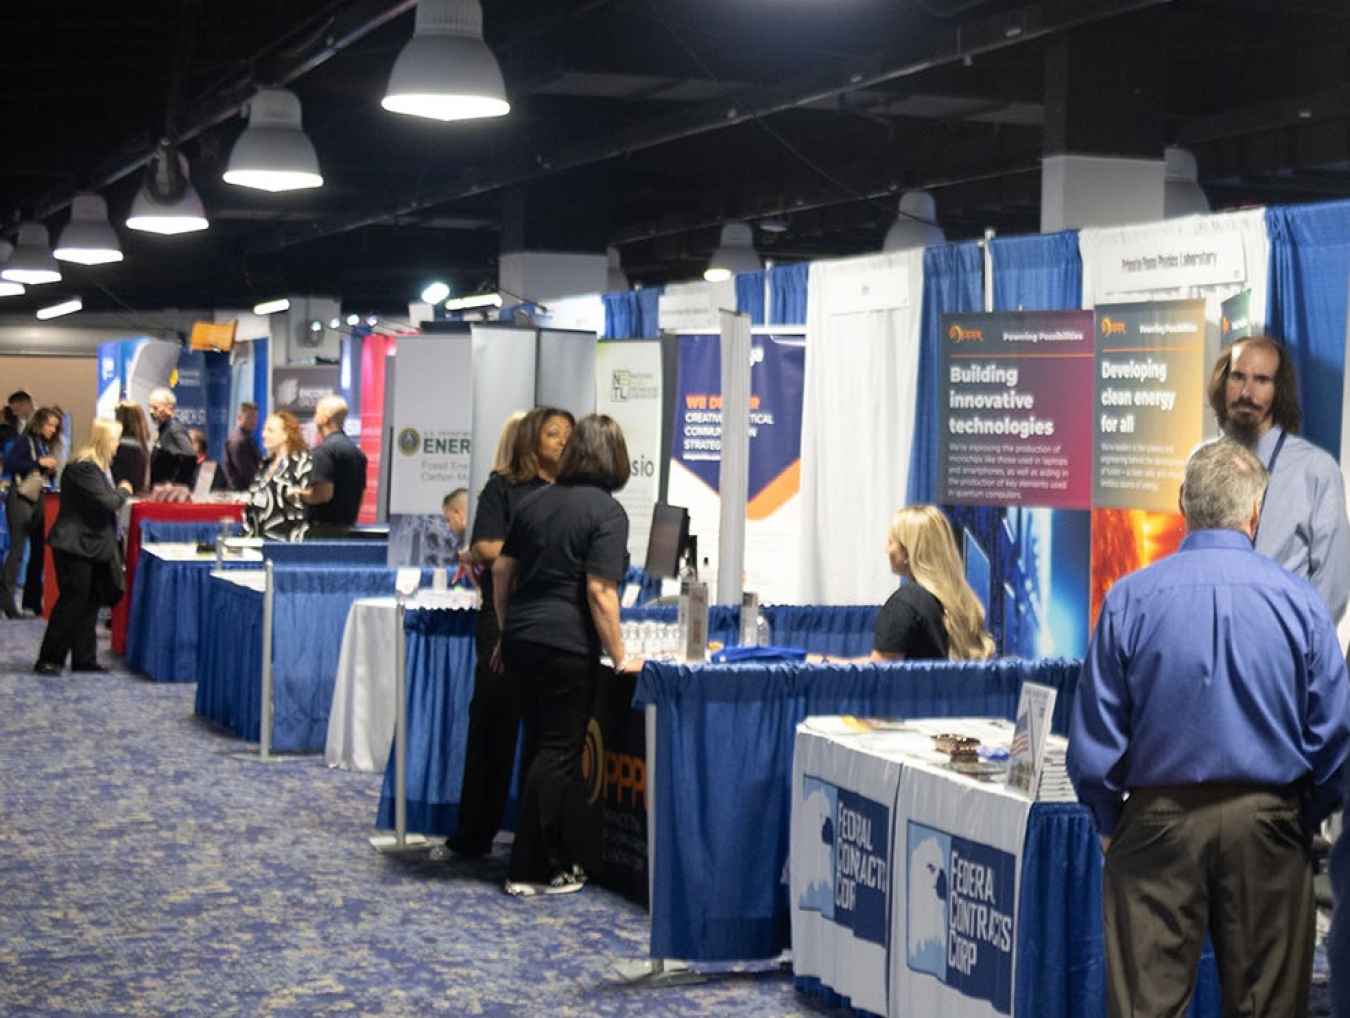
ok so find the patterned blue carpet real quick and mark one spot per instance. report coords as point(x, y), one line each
point(144, 870)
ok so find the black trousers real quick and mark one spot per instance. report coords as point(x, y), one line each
point(72, 628)
point(490, 748)
point(26, 521)
point(557, 693)
point(1229, 860)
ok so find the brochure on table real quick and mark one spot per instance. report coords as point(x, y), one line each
point(1035, 707)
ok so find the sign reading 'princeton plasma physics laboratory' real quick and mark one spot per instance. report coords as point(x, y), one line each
point(1016, 409)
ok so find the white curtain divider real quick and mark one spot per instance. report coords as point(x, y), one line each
point(862, 359)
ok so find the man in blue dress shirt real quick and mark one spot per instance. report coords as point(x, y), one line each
point(1209, 730)
point(1253, 393)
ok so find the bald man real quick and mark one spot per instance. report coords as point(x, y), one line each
point(339, 478)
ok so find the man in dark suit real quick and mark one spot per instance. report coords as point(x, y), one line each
point(172, 460)
point(242, 456)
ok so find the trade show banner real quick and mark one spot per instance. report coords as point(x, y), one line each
point(773, 497)
point(298, 388)
point(1015, 427)
point(432, 421)
point(842, 864)
point(955, 933)
point(1235, 318)
point(1150, 393)
point(628, 388)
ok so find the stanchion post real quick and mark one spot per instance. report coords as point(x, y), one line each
point(401, 840)
point(269, 599)
point(654, 972)
point(266, 712)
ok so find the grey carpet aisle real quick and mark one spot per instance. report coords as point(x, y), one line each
point(144, 870)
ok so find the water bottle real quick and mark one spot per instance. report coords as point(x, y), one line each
point(763, 637)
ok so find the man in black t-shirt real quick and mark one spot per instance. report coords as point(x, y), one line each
point(338, 481)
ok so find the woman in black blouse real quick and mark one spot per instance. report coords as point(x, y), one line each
point(537, 442)
point(936, 613)
point(556, 595)
point(131, 461)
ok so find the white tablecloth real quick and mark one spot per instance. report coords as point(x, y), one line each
point(361, 720)
point(903, 873)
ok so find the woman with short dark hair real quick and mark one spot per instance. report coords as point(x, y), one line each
point(556, 588)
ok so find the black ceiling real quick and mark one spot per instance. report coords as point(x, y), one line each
point(643, 124)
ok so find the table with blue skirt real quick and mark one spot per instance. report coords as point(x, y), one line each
point(310, 607)
point(164, 624)
point(722, 764)
point(863, 926)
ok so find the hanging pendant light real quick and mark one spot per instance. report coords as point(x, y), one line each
point(88, 238)
point(31, 261)
point(274, 154)
point(446, 71)
point(916, 225)
point(167, 203)
point(8, 289)
point(735, 255)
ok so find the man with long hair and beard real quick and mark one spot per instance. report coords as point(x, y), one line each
point(1253, 393)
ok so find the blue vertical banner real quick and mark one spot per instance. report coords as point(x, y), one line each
point(773, 510)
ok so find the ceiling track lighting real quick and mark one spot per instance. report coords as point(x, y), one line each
point(167, 203)
point(272, 307)
point(31, 261)
point(735, 255)
point(65, 307)
point(274, 154)
point(446, 71)
point(915, 225)
point(88, 239)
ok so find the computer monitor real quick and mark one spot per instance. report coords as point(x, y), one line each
point(668, 540)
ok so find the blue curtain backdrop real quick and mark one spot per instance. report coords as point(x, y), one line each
point(750, 295)
point(1309, 266)
point(787, 293)
point(952, 281)
point(1037, 273)
point(633, 314)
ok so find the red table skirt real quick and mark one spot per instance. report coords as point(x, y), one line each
point(182, 512)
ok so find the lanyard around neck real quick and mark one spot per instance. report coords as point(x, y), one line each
point(1270, 472)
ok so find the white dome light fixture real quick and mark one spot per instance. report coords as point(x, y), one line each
point(167, 203)
point(8, 289)
point(916, 225)
point(88, 238)
point(31, 261)
point(274, 154)
point(446, 71)
point(1182, 194)
point(735, 255)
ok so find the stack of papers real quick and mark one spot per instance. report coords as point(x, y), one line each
point(1054, 784)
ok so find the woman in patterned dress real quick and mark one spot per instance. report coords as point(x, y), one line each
point(273, 509)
